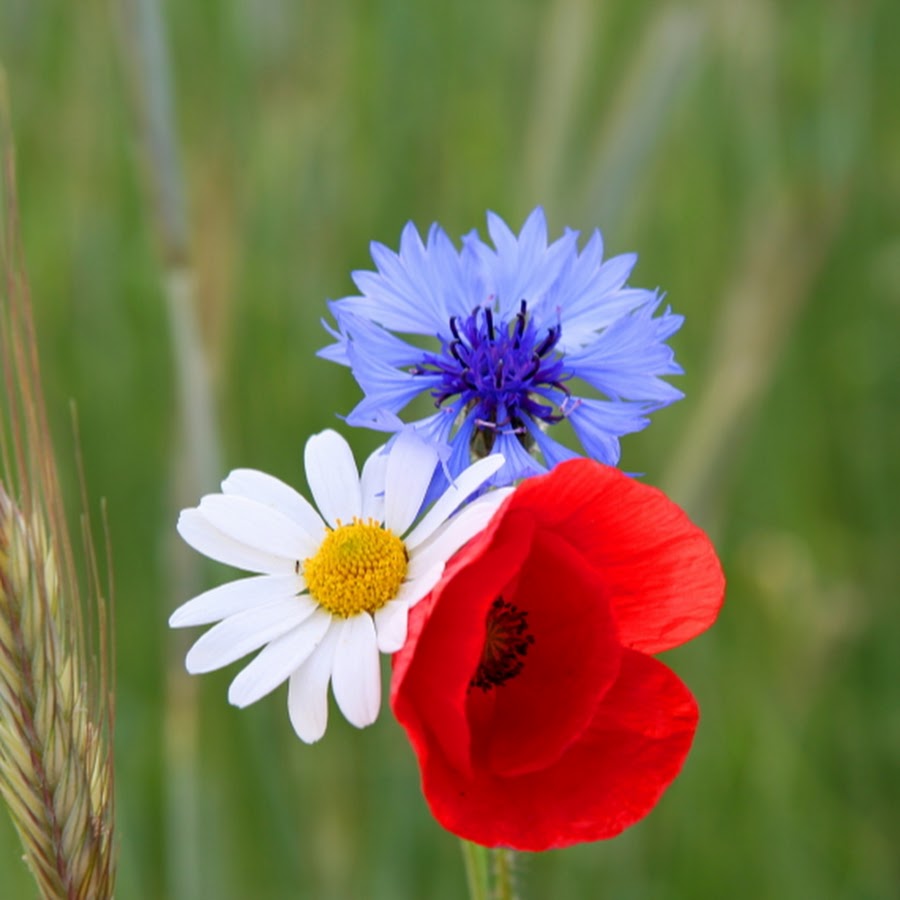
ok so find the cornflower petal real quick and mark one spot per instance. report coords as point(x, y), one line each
point(394, 388)
point(627, 360)
point(519, 463)
point(378, 342)
point(552, 451)
point(595, 421)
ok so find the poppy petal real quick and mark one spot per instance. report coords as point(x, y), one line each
point(661, 572)
point(526, 722)
point(611, 777)
point(432, 671)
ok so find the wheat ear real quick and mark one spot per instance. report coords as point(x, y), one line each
point(55, 774)
point(56, 708)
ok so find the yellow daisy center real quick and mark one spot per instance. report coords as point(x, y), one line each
point(357, 568)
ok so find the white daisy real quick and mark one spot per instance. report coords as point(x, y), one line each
point(334, 588)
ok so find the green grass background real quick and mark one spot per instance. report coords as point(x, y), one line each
point(747, 150)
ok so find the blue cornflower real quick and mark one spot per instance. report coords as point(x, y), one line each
point(516, 323)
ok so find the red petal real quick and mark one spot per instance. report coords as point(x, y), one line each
point(525, 723)
point(660, 571)
point(607, 780)
point(432, 671)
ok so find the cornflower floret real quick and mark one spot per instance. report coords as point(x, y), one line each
point(530, 335)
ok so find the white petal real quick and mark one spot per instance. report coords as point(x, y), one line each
point(466, 483)
point(356, 678)
point(273, 492)
point(204, 537)
point(461, 528)
point(258, 526)
point(372, 485)
point(234, 597)
point(410, 466)
point(277, 661)
point(247, 631)
point(390, 625)
point(332, 476)
point(308, 690)
point(412, 591)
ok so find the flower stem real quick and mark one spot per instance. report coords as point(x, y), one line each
point(504, 874)
point(490, 874)
point(475, 858)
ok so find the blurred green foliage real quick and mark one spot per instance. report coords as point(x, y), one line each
point(749, 151)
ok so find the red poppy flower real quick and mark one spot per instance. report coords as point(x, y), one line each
point(526, 686)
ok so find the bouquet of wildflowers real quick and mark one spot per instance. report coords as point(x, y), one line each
point(522, 588)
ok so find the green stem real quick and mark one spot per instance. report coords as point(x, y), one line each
point(475, 858)
point(490, 874)
point(504, 875)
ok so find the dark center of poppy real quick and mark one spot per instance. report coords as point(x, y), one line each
point(506, 642)
point(506, 371)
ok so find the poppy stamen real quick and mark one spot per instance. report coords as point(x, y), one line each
point(506, 642)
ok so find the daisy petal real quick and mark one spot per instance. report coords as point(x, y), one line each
point(234, 597)
point(308, 690)
point(275, 662)
point(200, 534)
point(463, 486)
point(390, 625)
point(332, 476)
point(409, 469)
point(413, 590)
point(371, 485)
point(247, 631)
point(205, 538)
point(356, 678)
point(273, 492)
point(257, 526)
point(461, 528)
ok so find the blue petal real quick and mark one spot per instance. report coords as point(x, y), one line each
point(458, 460)
point(375, 341)
point(524, 268)
point(580, 328)
point(376, 418)
point(383, 385)
point(592, 289)
point(627, 358)
point(519, 463)
point(404, 294)
point(600, 423)
point(437, 427)
point(336, 352)
point(553, 451)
